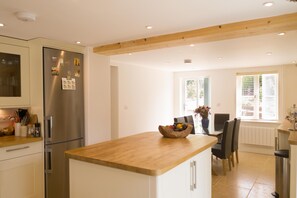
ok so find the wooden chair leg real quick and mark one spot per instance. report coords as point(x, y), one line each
point(224, 166)
point(236, 152)
point(229, 162)
point(232, 158)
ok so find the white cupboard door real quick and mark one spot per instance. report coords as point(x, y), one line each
point(201, 174)
point(22, 177)
point(174, 183)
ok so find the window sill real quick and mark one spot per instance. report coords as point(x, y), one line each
point(262, 121)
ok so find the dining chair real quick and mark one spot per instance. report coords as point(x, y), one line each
point(219, 120)
point(234, 147)
point(189, 119)
point(223, 150)
point(179, 120)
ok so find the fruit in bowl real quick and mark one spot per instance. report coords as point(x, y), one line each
point(178, 130)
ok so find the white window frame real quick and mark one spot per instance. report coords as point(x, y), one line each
point(256, 115)
point(182, 95)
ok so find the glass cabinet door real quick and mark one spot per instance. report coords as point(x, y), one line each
point(14, 76)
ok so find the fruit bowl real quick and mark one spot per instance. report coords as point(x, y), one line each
point(169, 132)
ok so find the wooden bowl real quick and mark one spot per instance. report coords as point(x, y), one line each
point(170, 133)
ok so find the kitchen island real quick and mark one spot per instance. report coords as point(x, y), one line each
point(145, 165)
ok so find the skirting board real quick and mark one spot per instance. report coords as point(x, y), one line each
point(267, 150)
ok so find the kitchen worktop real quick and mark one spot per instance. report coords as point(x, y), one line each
point(14, 140)
point(284, 128)
point(147, 153)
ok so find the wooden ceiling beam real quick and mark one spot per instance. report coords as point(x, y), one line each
point(280, 23)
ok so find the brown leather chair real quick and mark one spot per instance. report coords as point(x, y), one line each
point(179, 120)
point(219, 120)
point(223, 150)
point(189, 119)
point(234, 147)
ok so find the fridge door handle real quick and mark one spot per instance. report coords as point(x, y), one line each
point(48, 128)
point(48, 160)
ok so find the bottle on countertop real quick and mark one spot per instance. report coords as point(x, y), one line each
point(37, 130)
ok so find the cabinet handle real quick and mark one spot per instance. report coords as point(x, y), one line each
point(191, 176)
point(195, 174)
point(16, 149)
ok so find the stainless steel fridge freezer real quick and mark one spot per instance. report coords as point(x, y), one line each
point(64, 115)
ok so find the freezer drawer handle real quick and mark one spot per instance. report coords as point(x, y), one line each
point(48, 155)
point(16, 149)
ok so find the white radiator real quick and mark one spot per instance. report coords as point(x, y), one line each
point(256, 135)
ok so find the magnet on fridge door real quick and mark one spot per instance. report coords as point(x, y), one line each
point(76, 62)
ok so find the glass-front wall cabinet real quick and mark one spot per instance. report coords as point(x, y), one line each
point(14, 75)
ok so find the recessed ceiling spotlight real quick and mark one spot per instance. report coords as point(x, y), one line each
point(1, 25)
point(77, 42)
point(192, 45)
point(281, 33)
point(148, 27)
point(268, 53)
point(130, 54)
point(268, 4)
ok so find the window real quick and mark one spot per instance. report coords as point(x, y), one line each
point(194, 93)
point(257, 96)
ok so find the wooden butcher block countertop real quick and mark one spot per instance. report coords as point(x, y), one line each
point(13, 140)
point(284, 128)
point(146, 153)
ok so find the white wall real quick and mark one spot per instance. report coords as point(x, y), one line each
point(97, 97)
point(290, 88)
point(145, 99)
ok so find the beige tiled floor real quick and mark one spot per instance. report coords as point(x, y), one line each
point(253, 177)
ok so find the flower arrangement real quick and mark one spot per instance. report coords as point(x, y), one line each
point(203, 111)
point(292, 117)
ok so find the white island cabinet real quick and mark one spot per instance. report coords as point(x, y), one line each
point(21, 171)
point(143, 166)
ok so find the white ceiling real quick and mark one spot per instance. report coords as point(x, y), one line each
point(97, 22)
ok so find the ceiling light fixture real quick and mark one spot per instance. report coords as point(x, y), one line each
point(26, 16)
point(281, 33)
point(130, 54)
point(148, 27)
point(77, 42)
point(188, 61)
point(192, 45)
point(268, 4)
point(1, 25)
point(268, 53)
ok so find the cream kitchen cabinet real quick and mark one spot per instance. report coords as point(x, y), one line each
point(191, 178)
point(14, 76)
point(21, 171)
point(187, 180)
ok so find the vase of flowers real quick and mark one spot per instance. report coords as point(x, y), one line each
point(203, 111)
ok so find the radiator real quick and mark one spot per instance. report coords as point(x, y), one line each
point(264, 136)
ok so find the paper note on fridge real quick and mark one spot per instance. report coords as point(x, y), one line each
point(68, 84)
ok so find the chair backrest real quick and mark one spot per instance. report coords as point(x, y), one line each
point(179, 120)
point(227, 138)
point(219, 120)
point(189, 119)
point(237, 122)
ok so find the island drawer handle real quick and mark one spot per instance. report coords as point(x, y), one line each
point(195, 174)
point(16, 149)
